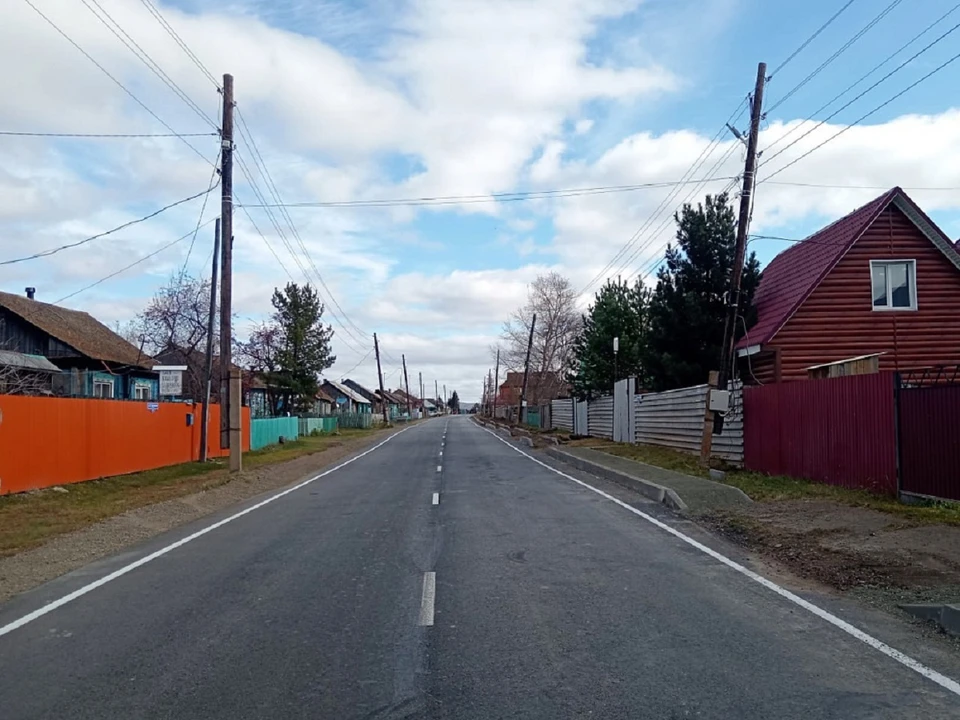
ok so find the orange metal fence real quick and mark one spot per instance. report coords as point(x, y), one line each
point(55, 441)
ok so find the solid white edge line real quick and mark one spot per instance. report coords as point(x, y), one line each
point(436, 498)
point(428, 599)
point(80, 592)
point(891, 652)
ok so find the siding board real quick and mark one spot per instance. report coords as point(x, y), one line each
point(837, 320)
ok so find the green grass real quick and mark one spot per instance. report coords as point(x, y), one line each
point(30, 519)
point(768, 488)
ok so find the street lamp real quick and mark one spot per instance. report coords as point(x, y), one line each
point(616, 349)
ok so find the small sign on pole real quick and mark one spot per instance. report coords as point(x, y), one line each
point(171, 379)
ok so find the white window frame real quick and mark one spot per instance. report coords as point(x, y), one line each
point(138, 388)
point(912, 277)
point(103, 383)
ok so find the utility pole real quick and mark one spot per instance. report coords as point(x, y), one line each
point(208, 367)
point(383, 398)
point(746, 194)
point(526, 370)
point(226, 260)
point(445, 397)
point(406, 382)
point(436, 392)
point(496, 384)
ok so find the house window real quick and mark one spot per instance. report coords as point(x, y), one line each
point(103, 388)
point(141, 392)
point(894, 284)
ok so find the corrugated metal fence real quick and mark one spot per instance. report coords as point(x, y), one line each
point(562, 414)
point(600, 417)
point(268, 431)
point(929, 441)
point(839, 431)
point(309, 425)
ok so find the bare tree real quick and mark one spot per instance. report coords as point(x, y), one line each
point(554, 301)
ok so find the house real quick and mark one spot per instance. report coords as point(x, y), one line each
point(883, 280)
point(93, 360)
point(345, 399)
point(395, 405)
point(324, 405)
point(411, 400)
point(542, 387)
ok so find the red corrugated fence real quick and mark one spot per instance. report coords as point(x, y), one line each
point(840, 431)
point(930, 441)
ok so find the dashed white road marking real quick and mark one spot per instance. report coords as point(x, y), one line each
point(80, 592)
point(436, 498)
point(942, 680)
point(441, 453)
point(428, 599)
point(439, 468)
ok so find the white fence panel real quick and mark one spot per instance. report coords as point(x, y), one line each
point(600, 417)
point(561, 414)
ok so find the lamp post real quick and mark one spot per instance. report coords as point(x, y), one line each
point(616, 349)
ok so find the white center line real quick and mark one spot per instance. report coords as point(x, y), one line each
point(439, 468)
point(436, 498)
point(441, 453)
point(947, 683)
point(429, 597)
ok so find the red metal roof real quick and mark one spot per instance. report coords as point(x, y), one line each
point(793, 274)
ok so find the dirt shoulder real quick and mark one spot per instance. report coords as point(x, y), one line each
point(48, 533)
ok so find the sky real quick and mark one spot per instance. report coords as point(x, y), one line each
point(344, 102)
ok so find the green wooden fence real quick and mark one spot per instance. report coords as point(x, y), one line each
point(355, 420)
point(310, 425)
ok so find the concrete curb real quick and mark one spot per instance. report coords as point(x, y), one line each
point(657, 493)
point(946, 616)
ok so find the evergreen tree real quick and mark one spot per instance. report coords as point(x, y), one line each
point(619, 311)
point(687, 309)
point(454, 402)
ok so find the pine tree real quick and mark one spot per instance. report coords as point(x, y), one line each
point(687, 308)
point(455, 402)
point(619, 311)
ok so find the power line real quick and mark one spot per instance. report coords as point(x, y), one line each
point(694, 167)
point(177, 39)
point(863, 117)
point(203, 209)
point(861, 187)
point(54, 251)
point(131, 265)
point(863, 77)
point(143, 56)
point(106, 135)
point(846, 46)
point(116, 82)
point(810, 39)
point(362, 360)
point(492, 197)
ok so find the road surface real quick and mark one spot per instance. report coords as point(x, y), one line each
point(444, 574)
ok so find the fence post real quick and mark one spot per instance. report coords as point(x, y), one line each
point(706, 443)
point(897, 385)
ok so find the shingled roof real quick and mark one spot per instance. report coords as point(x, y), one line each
point(85, 334)
point(792, 275)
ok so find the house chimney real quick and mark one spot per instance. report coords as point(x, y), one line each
point(31, 291)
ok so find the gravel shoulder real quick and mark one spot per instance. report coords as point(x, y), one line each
point(66, 552)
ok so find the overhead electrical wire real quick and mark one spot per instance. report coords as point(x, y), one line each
point(203, 209)
point(810, 39)
point(143, 56)
point(843, 48)
point(362, 360)
point(489, 198)
point(694, 167)
point(860, 119)
point(863, 77)
point(11, 133)
point(153, 10)
point(68, 246)
point(119, 84)
point(131, 265)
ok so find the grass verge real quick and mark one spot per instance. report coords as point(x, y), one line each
point(767, 488)
point(30, 519)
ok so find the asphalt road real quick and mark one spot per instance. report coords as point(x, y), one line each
point(548, 601)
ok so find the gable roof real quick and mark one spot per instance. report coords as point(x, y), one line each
point(360, 389)
point(791, 276)
point(390, 397)
point(346, 391)
point(81, 331)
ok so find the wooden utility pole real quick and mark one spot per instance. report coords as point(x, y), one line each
point(406, 382)
point(208, 360)
point(445, 396)
point(496, 384)
point(526, 370)
point(383, 398)
point(226, 260)
point(736, 274)
point(420, 379)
